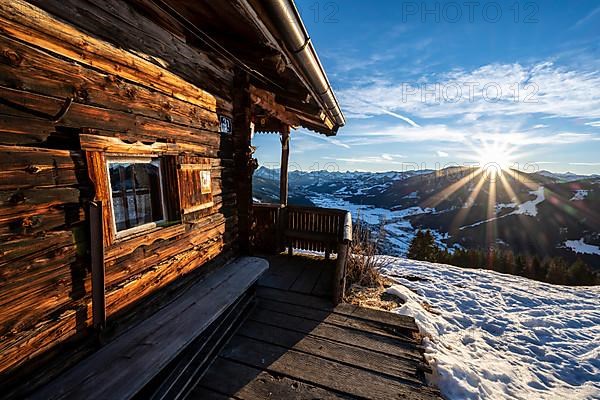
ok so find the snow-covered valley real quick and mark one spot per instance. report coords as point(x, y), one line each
point(539, 214)
point(497, 336)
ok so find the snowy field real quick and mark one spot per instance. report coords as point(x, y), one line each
point(581, 247)
point(496, 336)
point(398, 228)
point(526, 208)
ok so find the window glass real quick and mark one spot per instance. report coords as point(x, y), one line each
point(136, 192)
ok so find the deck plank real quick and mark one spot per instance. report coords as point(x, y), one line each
point(294, 298)
point(339, 320)
point(334, 351)
point(281, 276)
point(364, 340)
point(386, 318)
point(396, 321)
point(248, 383)
point(324, 285)
point(202, 393)
point(321, 372)
point(307, 279)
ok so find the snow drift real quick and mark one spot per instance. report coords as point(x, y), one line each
point(491, 335)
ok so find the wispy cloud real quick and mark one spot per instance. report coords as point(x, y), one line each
point(442, 154)
point(377, 159)
point(512, 89)
point(476, 133)
point(326, 139)
point(587, 164)
point(587, 18)
point(393, 114)
point(595, 124)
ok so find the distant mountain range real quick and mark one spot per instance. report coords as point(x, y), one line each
point(567, 176)
point(541, 213)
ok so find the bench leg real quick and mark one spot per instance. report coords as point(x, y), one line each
point(290, 249)
point(327, 254)
point(339, 280)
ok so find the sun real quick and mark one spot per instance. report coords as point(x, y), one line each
point(494, 158)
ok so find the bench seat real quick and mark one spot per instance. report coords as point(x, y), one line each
point(124, 366)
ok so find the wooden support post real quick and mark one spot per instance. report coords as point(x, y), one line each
point(97, 261)
point(244, 167)
point(285, 159)
point(282, 216)
point(339, 280)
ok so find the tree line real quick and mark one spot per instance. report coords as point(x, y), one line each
point(554, 270)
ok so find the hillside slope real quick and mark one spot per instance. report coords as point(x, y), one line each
point(492, 336)
point(526, 213)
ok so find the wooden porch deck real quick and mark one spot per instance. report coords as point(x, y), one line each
point(296, 345)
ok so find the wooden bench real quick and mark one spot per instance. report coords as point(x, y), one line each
point(321, 229)
point(126, 365)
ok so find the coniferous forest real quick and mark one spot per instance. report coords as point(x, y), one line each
point(555, 270)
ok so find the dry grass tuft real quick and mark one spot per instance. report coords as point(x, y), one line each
point(372, 298)
point(365, 284)
point(363, 264)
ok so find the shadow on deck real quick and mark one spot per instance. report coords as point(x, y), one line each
point(295, 344)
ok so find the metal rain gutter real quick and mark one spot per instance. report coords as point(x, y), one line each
point(287, 19)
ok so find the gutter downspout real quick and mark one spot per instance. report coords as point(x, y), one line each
point(287, 19)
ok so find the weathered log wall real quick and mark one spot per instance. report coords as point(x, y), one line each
point(130, 81)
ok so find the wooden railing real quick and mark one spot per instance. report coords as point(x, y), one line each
point(315, 229)
point(267, 228)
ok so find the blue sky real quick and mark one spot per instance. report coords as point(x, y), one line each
point(431, 84)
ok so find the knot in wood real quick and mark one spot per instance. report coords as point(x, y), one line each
point(82, 94)
point(11, 57)
point(33, 169)
point(131, 93)
point(27, 222)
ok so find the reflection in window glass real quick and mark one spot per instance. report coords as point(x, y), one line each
point(136, 193)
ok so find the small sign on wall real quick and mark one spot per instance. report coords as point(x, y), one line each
point(205, 186)
point(225, 125)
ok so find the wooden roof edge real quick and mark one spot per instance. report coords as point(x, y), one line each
point(299, 50)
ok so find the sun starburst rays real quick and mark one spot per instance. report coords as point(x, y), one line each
point(493, 174)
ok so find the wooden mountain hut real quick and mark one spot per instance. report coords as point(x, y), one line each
point(126, 213)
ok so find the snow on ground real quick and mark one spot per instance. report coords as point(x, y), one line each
point(527, 208)
point(581, 247)
point(369, 214)
point(399, 231)
point(497, 336)
point(530, 207)
point(580, 195)
point(501, 206)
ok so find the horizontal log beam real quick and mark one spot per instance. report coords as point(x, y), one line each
point(31, 24)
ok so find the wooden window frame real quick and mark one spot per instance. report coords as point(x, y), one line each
point(99, 148)
point(102, 146)
point(136, 230)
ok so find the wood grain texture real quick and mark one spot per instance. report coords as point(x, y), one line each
point(308, 350)
point(247, 383)
point(37, 27)
point(30, 69)
point(126, 101)
point(320, 371)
